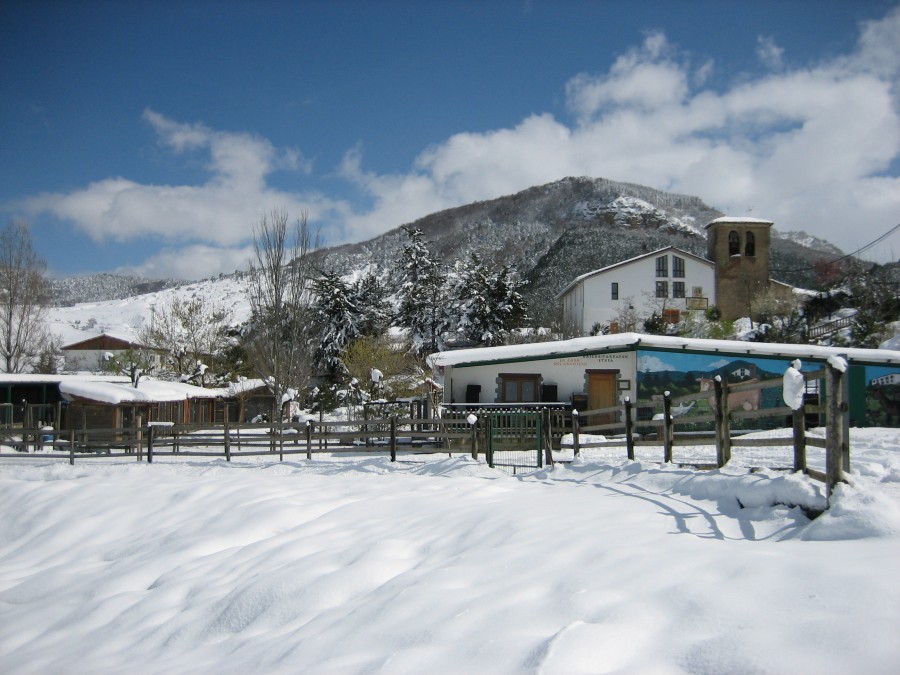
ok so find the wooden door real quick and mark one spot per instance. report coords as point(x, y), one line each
point(602, 394)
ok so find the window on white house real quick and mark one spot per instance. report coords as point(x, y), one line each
point(677, 267)
point(614, 293)
point(519, 388)
point(677, 289)
point(662, 289)
point(662, 266)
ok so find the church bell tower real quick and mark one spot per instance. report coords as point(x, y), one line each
point(740, 249)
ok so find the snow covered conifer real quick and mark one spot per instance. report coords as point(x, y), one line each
point(338, 317)
point(487, 302)
point(371, 305)
point(423, 302)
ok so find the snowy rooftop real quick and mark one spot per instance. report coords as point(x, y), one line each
point(147, 391)
point(738, 219)
point(37, 378)
point(602, 343)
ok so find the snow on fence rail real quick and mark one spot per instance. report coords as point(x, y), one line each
point(392, 434)
point(459, 430)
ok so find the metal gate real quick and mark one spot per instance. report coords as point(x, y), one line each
point(516, 439)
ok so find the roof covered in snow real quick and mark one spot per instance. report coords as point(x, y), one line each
point(738, 219)
point(39, 378)
point(147, 391)
point(623, 341)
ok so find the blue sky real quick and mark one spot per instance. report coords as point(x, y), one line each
point(147, 138)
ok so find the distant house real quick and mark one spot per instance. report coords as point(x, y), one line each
point(668, 280)
point(92, 354)
point(671, 281)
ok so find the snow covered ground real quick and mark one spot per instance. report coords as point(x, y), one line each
point(351, 564)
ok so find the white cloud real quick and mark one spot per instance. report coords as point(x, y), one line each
point(807, 147)
point(643, 78)
point(811, 148)
point(769, 53)
point(653, 364)
point(196, 261)
point(220, 211)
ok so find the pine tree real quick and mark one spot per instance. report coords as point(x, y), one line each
point(488, 303)
point(338, 318)
point(510, 306)
point(423, 302)
point(372, 305)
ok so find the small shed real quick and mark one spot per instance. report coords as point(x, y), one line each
point(115, 405)
point(29, 398)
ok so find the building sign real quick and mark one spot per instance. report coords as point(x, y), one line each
point(617, 360)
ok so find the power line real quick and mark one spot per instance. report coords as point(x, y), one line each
point(848, 255)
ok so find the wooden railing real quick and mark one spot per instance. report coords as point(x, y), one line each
point(830, 327)
point(454, 433)
point(392, 434)
point(631, 432)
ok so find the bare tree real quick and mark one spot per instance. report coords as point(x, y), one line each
point(191, 331)
point(23, 296)
point(279, 288)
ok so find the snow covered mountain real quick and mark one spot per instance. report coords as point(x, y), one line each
point(553, 233)
point(550, 234)
point(127, 317)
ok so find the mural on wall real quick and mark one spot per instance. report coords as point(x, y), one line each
point(874, 402)
point(882, 387)
point(682, 374)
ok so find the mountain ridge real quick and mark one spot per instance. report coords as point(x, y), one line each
point(549, 234)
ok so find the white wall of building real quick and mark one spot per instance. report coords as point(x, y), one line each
point(566, 372)
point(590, 300)
point(92, 360)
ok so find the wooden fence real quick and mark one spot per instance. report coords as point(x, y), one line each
point(664, 426)
point(453, 432)
point(392, 434)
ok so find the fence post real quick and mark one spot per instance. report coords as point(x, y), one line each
point(834, 433)
point(138, 438)
point(576, 433)
point(490, 446)
point(309, 430)
point(799, 424)
point(26, 414)
point(629, 428)
point(150, 429)
point(472, 419)
point(668, 427)
point(546, 438)
point(845, 418)
point(393, 438)
point(723, 426)
point(72, 447)
point(227, 437)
